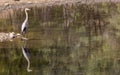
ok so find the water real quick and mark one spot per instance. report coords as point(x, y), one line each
point(70, 39)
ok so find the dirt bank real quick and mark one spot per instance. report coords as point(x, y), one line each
point(7, 4)
point(22, 4)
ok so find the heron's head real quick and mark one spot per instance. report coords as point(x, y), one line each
point(27, 9)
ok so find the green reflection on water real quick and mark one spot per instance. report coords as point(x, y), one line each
point(71, 39)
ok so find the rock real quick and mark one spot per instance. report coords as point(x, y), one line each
point(12, 35)
point(8, 36)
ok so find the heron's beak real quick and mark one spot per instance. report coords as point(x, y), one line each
point(28, 9)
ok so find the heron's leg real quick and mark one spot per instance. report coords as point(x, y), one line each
point(24, 37)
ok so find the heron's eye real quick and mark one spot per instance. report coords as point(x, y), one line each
point(13, 36)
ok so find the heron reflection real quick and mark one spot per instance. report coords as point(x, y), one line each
point(26, 55)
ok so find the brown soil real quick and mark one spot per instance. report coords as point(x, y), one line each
point(6, 4)
point(3, 2)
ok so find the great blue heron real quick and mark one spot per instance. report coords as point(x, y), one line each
point(25, 23)
point(26, 55)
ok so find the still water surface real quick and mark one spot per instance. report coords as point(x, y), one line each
point(71, 39)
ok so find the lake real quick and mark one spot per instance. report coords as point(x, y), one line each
point(66, 39)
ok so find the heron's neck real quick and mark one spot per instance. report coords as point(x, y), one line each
point(26, 15)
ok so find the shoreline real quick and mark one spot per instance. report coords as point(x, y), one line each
point(18, 5)
point(22, 4)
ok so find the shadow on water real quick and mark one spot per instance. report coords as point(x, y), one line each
point(68, 39)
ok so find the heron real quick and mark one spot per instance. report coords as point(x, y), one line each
point(25, 23)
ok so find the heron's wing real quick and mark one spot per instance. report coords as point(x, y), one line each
point(24, 26)
point(24, 29)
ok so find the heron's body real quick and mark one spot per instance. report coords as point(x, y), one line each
point(25, 23)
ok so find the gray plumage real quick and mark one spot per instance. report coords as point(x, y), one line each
point(25, 23)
